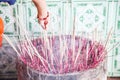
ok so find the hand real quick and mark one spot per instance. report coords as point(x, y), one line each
point(44, 21)
point(42, 12)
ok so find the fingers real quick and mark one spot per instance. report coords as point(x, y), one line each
point(43, 24)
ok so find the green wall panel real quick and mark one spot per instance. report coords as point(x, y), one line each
point(90, 16)
point(6, 14)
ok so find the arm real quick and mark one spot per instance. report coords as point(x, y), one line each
point(42, 12)
point(41, 8)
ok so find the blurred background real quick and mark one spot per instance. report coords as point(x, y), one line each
point(103, 14)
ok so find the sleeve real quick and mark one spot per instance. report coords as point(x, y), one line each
point(11, 2)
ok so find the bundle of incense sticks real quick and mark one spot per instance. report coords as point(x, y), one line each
point(61, 55)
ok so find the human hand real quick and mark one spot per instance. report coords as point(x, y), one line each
point(42, 14)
